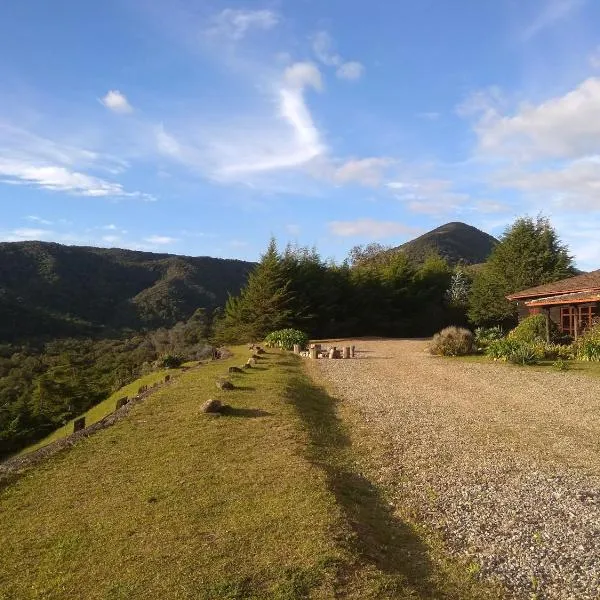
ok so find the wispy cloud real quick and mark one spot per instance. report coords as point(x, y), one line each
point(39, 220)
point(236, 23)
point(323, 49)
point(551, 13)
point(369, 228)
point(161, 240)
point(117, 102)
point(29, 159)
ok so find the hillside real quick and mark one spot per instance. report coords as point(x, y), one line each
point(456, 242)
point(50, 290)
point(266, 502)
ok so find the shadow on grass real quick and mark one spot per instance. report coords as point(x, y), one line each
point(378, 538)
point(244, 388)
point(248, 413)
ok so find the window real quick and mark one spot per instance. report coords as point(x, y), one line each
point(582, 316)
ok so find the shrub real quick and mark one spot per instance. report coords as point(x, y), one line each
point(501, 349)
point(561, 365)
point(170, 361)
point(587, 347)
point(525, 354)
point(531, 329)
point(485, 335)
point(286, 338)
point(452, 341)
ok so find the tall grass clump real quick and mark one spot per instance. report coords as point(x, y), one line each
point(484, 336)
point(452, 341)
point(587, 347)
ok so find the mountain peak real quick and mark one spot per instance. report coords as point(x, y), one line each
point(455, 241)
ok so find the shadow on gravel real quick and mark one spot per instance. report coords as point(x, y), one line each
point(379, 538)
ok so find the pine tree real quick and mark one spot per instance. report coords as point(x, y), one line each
point(262, 306)
point(529, 254)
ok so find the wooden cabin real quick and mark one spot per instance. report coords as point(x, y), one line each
point(570, 303)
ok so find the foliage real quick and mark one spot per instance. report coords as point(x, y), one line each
point(286, 338)
point(263, 304)
point(452, 341)
point(587, 346)
point(524, 354)
point(484, 336)
point(42, 387)
point(460, 286)
point(560, 364)
point(49, 290)
point(531, 329)
point(170, 361)
point(529, 254)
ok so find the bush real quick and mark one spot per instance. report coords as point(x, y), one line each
point(170, 361)
point(501, 349)
point(485, 335)
point(587, 347)
point(525, 354)
point(561, 365)
point(531, 329)
point(286, 338)
point(452, 341)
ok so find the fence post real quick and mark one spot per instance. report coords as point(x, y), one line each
point(78, 424)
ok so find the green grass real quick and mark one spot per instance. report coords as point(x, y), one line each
point(265, 502)
point(575, 366)
point(104, 408)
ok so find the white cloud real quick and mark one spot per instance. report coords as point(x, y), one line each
point(351, 71)
point(552, 12)
point(30, 159)
point(236, 23)
point(435, 197)
point(369, 228)
point(323, 48)
point(110, 239)
point(27, 233)
point(38, 220)
point(367, 171)
point(58, 178)
point(117, 102)
point(274, 149)
point(161, 240)
point(594, 58)
point(166, 143)
point(563, 127)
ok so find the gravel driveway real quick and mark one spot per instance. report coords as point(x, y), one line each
point(503, 460)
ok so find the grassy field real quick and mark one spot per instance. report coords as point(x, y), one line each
point(266, 502)
point(104, 408)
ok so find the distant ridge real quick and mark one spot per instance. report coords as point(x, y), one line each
point(456, 242)
point(51, 290)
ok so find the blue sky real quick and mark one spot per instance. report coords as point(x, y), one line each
point(203, 128)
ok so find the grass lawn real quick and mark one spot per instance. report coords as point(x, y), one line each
point(264, 503)
point(104, 408)
point(575, 366)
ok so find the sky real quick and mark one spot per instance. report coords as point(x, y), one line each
point(206, 127)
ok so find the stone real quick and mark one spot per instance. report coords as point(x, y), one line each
point(212, 406)
point(167, 378)
point(347, 351)
point(251, 362)
point(296, 348)
point(247, 366)
point(313, 353)
point(260, 351)
point(121, 402)
point(223, 384)
point(78, 424)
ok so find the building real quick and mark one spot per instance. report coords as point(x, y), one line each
point(570, 303)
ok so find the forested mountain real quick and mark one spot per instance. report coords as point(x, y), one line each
point(456, 242)
point(51, 290)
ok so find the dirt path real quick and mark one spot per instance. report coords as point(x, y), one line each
point(505, 461)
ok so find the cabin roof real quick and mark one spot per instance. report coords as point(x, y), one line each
point(586, 282)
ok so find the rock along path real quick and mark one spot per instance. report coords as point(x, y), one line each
point(503, 460)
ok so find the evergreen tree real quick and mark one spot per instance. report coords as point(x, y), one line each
point(263, 304)
point(529, 254)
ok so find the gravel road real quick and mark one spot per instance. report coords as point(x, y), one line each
point(503, 460)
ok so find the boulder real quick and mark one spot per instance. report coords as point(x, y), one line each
point(212, 406)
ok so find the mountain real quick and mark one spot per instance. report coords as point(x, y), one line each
point(456, 242)
point(52, 290)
